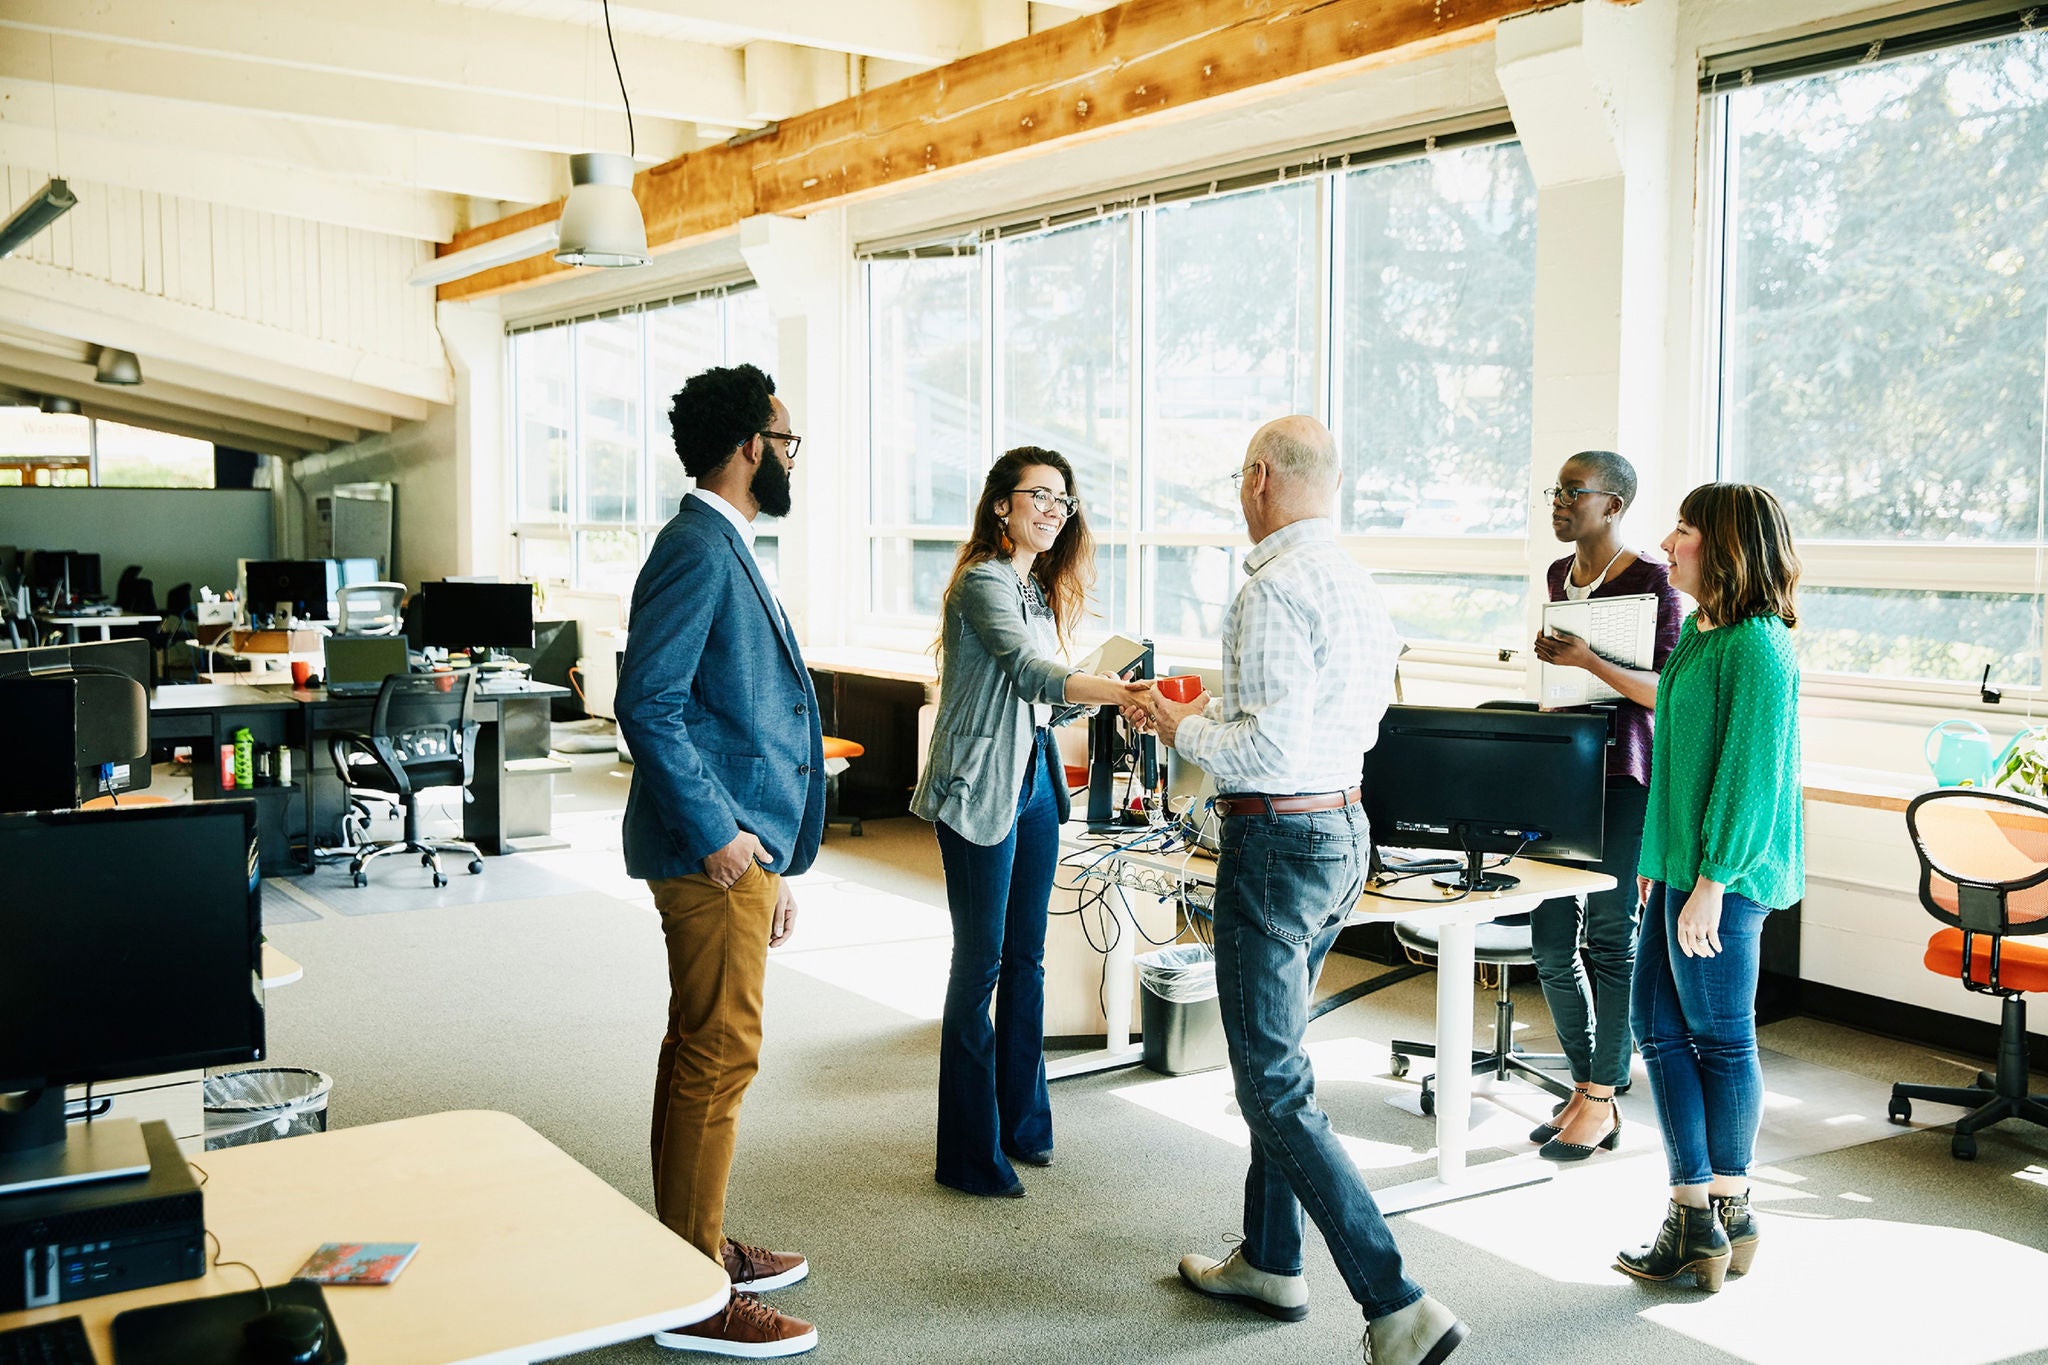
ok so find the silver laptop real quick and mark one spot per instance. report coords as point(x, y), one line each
point(358, 664)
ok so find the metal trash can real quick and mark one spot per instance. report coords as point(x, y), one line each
point(259, 1103)
point(1178, 1010)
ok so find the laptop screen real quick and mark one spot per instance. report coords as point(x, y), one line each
point(363, 661)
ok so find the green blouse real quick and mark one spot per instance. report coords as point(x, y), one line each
point(1725, 800)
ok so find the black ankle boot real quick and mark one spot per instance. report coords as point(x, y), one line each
point(1740, 1225)
point(1691, 1239)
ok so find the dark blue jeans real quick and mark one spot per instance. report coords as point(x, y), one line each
point(1284, 884)
point(992, 1095)
point(1695, 1020)
point(1589, 996)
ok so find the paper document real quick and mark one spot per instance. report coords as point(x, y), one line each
point(1622, 630)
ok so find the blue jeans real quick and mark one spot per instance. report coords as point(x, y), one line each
point(992, 1095)
point(1695, 1020)
point(1591, 1007)
point(1284, 885)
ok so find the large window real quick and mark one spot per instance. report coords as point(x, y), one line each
point(1394, 300)
point(1883, 352)
point(596, 474)
point(67, 450)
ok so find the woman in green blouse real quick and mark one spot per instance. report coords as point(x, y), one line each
point(1723, 846)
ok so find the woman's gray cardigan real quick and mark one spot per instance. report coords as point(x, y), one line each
point(997, 661)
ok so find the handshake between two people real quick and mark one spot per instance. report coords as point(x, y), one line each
point(1161, 704)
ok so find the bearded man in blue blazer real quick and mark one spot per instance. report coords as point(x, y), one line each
point(728, 803)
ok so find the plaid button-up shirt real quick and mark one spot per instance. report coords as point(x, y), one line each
point(1308, 670)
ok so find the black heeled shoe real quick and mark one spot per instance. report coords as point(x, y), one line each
point(1544, 1132)
point(1691, 1239)
point(1740, 1224)
point(1557, 1149)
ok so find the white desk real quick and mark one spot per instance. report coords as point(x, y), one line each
point(1419, 899)
point(73, 625)
point(524, 1255)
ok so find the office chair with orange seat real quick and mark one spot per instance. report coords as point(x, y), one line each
point(1984, 874)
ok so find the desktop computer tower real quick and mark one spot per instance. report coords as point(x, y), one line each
point(80, 1241)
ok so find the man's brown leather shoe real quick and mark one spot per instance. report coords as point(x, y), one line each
point(748, 1328)
point(757, 1270)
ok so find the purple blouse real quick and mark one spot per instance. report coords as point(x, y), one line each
point(1630, 755)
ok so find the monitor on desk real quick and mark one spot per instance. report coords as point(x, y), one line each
point(1485, 780)
point(83, 724)
point(455, 614)
point(64, 577)
point(100, 981)
point(286, 587)
point(351, 573)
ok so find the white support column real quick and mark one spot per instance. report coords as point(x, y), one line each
point(806, 268)
point(1592, 90)
point(475, 340)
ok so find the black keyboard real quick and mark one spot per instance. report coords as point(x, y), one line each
point(58, 1342)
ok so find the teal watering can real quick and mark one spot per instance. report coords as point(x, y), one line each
point(1960, 753)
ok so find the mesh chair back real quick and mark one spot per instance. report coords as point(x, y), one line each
point(1983, 859)
point(370, 608)
point(423, 729)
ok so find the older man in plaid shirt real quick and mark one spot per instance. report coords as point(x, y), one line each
point(1308, 670)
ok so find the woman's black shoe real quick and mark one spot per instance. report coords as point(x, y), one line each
point(1557, 1149)
point(1015, 1191)
point(1691, 1239)
point(1740, 1225)
point(1544, 1132)
point(1043, 1158)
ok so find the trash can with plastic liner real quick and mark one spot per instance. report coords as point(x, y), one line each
point(1179, 1011)
point(259, 1103)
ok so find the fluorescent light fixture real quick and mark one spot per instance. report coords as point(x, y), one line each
point(37, 212)
point(601, 223)
point(513, 246)
point(117, 367)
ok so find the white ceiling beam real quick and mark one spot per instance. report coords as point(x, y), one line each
point(783, 80)
point(921, 32)
point(358, 100)
point(102, 397)
point(62, 303)
point(405, 43)
point(153, 388)
point(219, 178)
point(379, 156)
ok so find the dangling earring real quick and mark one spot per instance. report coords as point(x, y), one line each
point(1003, 541)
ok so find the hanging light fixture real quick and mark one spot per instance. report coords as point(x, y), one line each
point(37, 212)
point(601, 223)
point(57, 404)
point(117, 367)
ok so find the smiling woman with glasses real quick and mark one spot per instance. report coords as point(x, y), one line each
point(996, 790)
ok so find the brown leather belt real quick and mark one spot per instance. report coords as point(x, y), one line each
point(1252, 803)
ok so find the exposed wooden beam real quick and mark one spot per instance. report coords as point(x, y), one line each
point(1133, 66)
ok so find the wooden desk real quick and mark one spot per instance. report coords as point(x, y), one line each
point(524, 1255)
point(872, 696)
point(1417, 899)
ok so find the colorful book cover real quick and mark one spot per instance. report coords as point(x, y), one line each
point(357, 1262)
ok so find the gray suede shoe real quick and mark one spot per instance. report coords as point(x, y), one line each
point(1277, 1296)
point(1423, 1333)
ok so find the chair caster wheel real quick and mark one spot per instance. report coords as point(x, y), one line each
point(476, 866)
point(426, 860)
point(440, 880)
point(1963, 1147)
point(361, 880)
point(1428, 1101)
point(1398, 1067)
point(1900, 1111)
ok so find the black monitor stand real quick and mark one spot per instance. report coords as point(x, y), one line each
point(1106, 750)
point(1475, 877)
point(38, 1153)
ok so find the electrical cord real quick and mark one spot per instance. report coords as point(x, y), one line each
point(632, 148)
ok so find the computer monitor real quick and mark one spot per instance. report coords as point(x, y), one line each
point(64, 576)
point(99, 982)
point(352, 573)
point(286, 587)
point(1487, 780)
point(81, 729)
point(459, 615)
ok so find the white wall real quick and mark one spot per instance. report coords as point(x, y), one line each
point(419, 459)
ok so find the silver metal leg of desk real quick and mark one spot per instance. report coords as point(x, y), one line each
point(1118, 967)
point(1452, 1180)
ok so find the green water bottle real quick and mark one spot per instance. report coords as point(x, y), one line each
point(245, 759)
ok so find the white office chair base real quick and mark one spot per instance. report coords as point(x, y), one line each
point(429, 851)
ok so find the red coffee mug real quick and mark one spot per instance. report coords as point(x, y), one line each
point(301, 671)
point(1182, 688)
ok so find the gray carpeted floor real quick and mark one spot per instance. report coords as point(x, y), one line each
point(540, 991)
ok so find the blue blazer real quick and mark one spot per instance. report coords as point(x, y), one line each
point(717, 707)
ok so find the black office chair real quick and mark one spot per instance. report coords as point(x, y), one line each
point(1984, 875)
point(422, 734)
point(134, 594)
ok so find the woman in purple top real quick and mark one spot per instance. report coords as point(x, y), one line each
point(1594, 489)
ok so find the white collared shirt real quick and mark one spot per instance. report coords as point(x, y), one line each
point(1308, 670)
point(728, 511)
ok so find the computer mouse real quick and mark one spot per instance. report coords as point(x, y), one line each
point(289, 1334)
